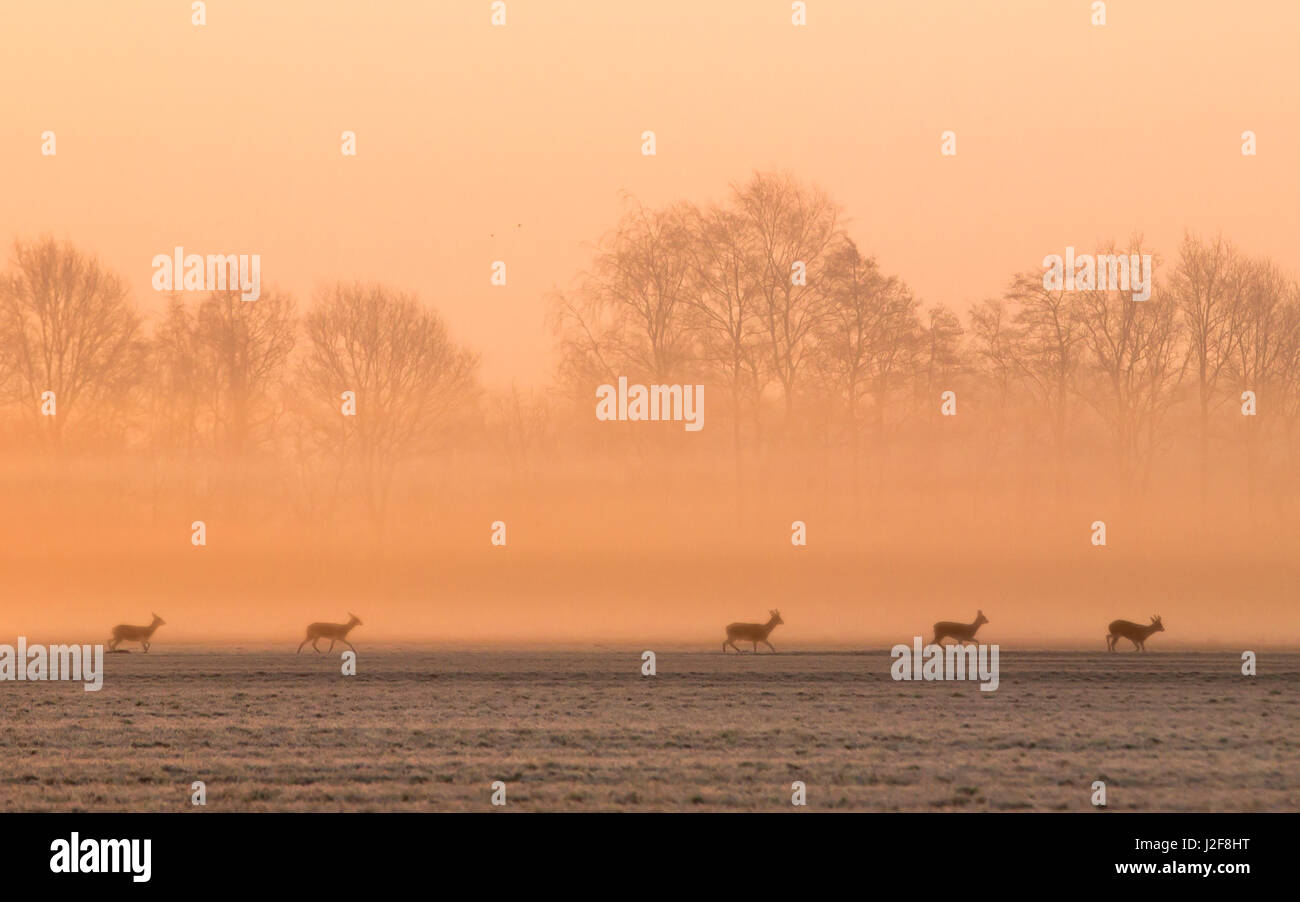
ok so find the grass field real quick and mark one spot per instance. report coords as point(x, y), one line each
point(431, 729)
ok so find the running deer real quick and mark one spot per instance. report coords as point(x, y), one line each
point(335, 632)
point(752, 632)
point(142, 634)
point(1133, 632)
point(962, 632)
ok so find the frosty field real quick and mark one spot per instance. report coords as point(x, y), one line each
point(582, 730)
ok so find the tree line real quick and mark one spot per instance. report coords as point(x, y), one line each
point(765, 296)
point(801, 338)
point(223, 378)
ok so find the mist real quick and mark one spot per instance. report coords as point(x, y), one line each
point(947, 429)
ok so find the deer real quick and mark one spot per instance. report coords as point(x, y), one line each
point(962, 632)
point(335, 632)
point(1133, 632)
point(126, 633)
point(752, 632)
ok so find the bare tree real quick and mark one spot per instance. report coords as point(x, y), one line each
point(1288, 379)
point(1202, 288)
point(68, 327)
point(853, 325)
point(1263, 334)
point(625, 319)
point(524, 423)
point(175, 392)
point(409, 380)
point(221, 365)
point(793, 228)
point(864, 339)
point(1137, 363)
point(992, 338)
point(723, 308)
point(1046, 349)
point(941, 357)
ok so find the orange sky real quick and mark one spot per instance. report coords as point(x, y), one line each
point(225, 138)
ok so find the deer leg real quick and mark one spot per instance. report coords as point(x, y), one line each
point(300, 645)
point(331, 648)
point(732, 643)
point(349, 645)
point(314, 645)
point(146, 647)
point(769, 645)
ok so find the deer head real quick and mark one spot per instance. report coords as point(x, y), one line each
point(980, 618)
point(1155, 622)
point(355, 619)
point(158, 621)
point(776, 617)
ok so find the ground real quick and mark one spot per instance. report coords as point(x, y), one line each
point(430, 729)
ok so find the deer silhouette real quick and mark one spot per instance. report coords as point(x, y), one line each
point(126, 633)
point(962, 632)
point(335, 632)
point(752, 632)
point(1133, 632)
